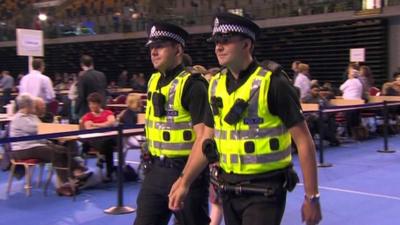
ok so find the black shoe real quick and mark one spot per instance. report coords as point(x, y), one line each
point(334, 143)
point(100, 163)
point(84, 176)
point(107, 179)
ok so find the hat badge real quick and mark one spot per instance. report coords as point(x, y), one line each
point(152, 31)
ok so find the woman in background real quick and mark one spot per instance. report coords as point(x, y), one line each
point(100, 118)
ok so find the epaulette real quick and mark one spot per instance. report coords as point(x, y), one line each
point(274, 67)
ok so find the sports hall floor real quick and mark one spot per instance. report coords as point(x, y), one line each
point(362, 188)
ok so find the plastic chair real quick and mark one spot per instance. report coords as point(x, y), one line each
point(374, 91)
point(121, 99)
point(29, 165)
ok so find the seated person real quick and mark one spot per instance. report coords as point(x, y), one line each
point(129, 117)
point(329, 123)
point(41, 112)
point(392, 88)
point(352, 88)
point(100, 118)
point(25, 123)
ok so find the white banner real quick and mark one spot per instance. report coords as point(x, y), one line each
point(30, 42)
point(357, 55)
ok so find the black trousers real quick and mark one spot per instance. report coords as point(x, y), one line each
point(254, 209)
point(106, 148)
point(152, 201)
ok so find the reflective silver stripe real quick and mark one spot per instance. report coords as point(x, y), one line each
point(254, 95)
point(253, 159)
point(224, 158)
point(257, 133)
point(214, 87)
point(220, 134)
point(173, 146)
point(169, 126)
point(171, 95)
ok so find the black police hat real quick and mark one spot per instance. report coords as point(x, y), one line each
point(162, 31)
point(226, 24)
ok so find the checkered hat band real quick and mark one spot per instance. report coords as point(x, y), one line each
point(161, 34)
point(227, 28)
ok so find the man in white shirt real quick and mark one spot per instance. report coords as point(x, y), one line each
point(302, 80)
point(37, 84)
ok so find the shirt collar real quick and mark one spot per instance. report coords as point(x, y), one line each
point(35, 72)
point(248, 71)
point(174, 71)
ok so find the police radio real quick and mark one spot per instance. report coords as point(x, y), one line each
point(210, 150)
point(158, 101)
point(236, 112)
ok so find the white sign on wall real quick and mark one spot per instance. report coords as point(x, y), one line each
point(357, 55)
point(30, 42)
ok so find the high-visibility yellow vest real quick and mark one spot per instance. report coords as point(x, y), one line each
point(259, 142)
point(170, 135)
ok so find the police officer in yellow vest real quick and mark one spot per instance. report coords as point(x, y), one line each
point(176, 107)
point(256, 113)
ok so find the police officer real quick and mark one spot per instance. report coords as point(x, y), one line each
point(176, 105)
point(256, 113)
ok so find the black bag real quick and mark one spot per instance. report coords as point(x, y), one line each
point(129, 173)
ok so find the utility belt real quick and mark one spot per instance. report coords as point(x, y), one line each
point(148, 161)
point(268, 184)
point(163, 161)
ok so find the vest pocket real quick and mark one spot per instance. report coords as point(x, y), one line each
point(274, 144)
point(249, 147)
point(166, 136)
point(187, 135)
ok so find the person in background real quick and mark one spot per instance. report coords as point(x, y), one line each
point(329, 124)
point(123, 79)
point(366, 77)
point(140, 84)
point(100, 118)
point(25, 123)
point(392, 88)
point(367, 80)
point(37, 84)
point(73, 96)
point(352, 88)
point(41, 112)
point(7, 85)
point(91, 81)
point(199, 69)
point(295, 69)
point(63, 85)
point(19, 78)
point(129, 118)
point(302, 81)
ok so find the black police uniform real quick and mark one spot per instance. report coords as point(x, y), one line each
point(257, 209)
point(152, 201)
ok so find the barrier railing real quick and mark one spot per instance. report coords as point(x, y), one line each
point(311, 108)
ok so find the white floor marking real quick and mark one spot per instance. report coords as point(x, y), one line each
point(358, 192)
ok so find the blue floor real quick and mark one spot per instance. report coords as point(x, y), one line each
point(362, 188)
